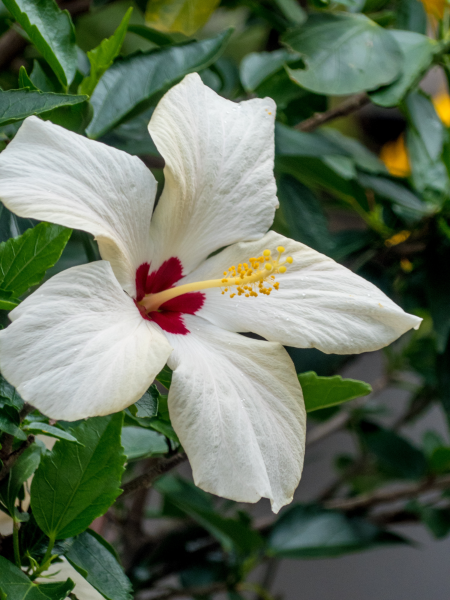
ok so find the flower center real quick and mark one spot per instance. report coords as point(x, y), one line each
point(258, 276)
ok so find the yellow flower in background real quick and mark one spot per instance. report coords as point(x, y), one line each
point(395, 157)
point(394, 154)
point(434, 8)
point(442, 106)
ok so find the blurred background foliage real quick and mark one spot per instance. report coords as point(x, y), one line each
point(363, 175)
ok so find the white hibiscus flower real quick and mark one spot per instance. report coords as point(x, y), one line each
point(91, 340)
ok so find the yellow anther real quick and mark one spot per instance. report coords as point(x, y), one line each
point(289, 260)
point(259, 277)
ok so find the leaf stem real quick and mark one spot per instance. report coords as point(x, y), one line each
point(46, 561)
point(16, 527)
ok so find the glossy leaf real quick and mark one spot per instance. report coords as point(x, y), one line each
point(15, 585)
point(256, 67)
point(290, 142)
point(152, 35)
point(24, 80)
point(425, 140)
point(16, 105)
point(51, 31)
point(134, 82)
point(417, 54)
point(9, 395)
point(75, 484)
point(138, 443)
point(10, 422)
point(23, 469)
point(308, 531)
point(322, 392)
point(303, 214)
point(398, 194)
point(184, 16)
point(50, 430)
point(232, 534)
point(87, 555)
point(343, 54)
point(395, 454)
point(101, 57)
point(25, 259)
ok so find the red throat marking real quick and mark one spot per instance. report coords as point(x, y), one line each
point(169, 316)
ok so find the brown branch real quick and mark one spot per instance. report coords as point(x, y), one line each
point(389, 494)
point(160, 466)
point(9, 462)
point(344, 109)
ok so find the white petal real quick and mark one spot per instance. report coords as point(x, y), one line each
point(62, 571)
point(319, 304)
point(51, 174)
point(219, 183)
point(237, 407)
point(78, 347)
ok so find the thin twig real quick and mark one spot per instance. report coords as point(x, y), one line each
point(160, 466)
point(389, 494)
point(344, 109)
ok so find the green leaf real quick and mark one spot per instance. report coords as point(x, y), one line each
point(152, 35)
point(133, 83)
point(425, 140)
point(440, 460)
point(10, 422)
point(24, 80)
point(322, 392)
point(51, 31)
point(308, 531)
point(399, 195)
point(343, 54)
point(290, 142)
point(15, 585)
point(395, 454)
point(102, 57)
point(436, 519)
point(195, 503)
point(16, 105)
point(361, 156)
point(165, 377)
point(292, 11)
point(411, 16)
point(22, 470)
point(417, 55)
point(147, 406)
point(25, 259)
point(75, 484)
point(9, 395)
point(50, 430)
point(257, 67)
point(303, 214)
point(138, 442)
point(165, 428)
point(104, 573)
point(184, 16)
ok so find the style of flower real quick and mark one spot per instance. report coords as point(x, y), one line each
point(91, 340)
